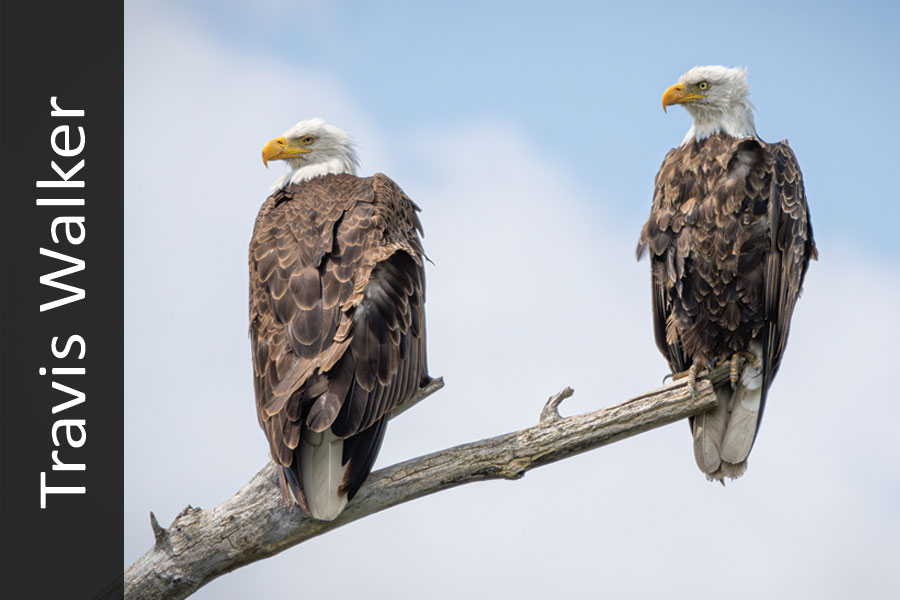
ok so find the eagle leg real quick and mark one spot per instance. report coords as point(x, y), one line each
point(692, 381)
point(734, 371)
point(691, 375)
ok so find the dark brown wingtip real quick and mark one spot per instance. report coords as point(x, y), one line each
point(640, 250)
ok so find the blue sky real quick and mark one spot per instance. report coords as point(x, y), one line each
point(583, 81)
point(530, 138)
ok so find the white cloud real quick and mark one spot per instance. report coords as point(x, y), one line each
point(533, 288)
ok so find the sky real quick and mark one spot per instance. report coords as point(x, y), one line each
point(530, 135)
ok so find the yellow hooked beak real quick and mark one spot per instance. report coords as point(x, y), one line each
point(676, 95)
point(280, 149)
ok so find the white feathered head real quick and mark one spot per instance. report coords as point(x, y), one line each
point(312, 148)
point(716, 98)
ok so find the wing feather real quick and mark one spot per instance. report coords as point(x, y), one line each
point(791, 248)
point(666, 259)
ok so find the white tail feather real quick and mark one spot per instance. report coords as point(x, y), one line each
point(322, 473)
point(709, 428)
point(724, 436)
point(744, 416)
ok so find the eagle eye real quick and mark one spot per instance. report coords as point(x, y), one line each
point(703, 85)
point(307, 139)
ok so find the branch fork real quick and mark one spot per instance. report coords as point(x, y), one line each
point(551, 408)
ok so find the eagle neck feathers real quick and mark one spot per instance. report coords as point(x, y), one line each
point(736, 121)
point(333, 166)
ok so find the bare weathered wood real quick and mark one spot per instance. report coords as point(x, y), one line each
point(255, 523)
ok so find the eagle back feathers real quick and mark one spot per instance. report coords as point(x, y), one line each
point(336, 313)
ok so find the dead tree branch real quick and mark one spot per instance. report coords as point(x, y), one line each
point(255, 523)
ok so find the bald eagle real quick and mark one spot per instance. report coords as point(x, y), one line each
point(337, 321)
point(730, 239)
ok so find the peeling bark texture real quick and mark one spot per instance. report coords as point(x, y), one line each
point(255, 523)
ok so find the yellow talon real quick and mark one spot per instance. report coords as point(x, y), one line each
point(691, 375)
point(736, 363)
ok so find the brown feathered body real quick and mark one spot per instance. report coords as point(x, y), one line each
point(337, 327)
point(730, 239)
